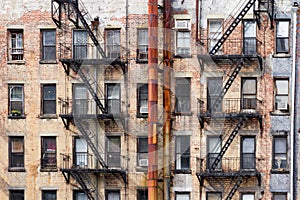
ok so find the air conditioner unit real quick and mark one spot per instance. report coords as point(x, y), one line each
point(143, 162)
point(282, 106)
point(182, 24)
point(143, 110)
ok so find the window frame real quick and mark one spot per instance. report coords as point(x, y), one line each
point(243, 164)
point(80, 100)
point(76, 192)
point(211, 156)
point(11, 109)
point(142, 88)
point(277, 94)
point(249, 49)
point(114, 45)
point(46, 192)
point(16, 192)
point(182, 97)
point(50, 47)
point(274, 194)
point(215, 32)
point(275, 154)
point(21, 153)
point(186, 43)
point(110, 100)
point(248, 193)
point(80, 49)
point(80, 155)
point(45, 164)
point(107, 192)
point(248, 102)
point(50, 100)
point(17, 46)
point(182, 155)
point(116, 155)
point(278, 38)
point(215, 193)
point(142, 151)
point(182, 193)
point(142, 194)
point(142, 54)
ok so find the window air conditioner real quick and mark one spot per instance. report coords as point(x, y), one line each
point(182, 24)
point(143, 110)
point(282, 106)
point(143, 162)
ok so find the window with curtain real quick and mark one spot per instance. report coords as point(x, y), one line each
point(16, 152)
point(48, 152)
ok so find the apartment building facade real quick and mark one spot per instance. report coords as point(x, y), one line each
point(74, 111)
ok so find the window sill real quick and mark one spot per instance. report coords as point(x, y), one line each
point(17, 169)
point(48, 116)
point(141, 169)
point(141, 116)
point(16, 117)
point(281, 55)
point(48, 62)
point(182, 56)
point(182, 171)
point(279, 113)
point(182, 113)
point(18, 62)
point(280, 171)
point(52, 169)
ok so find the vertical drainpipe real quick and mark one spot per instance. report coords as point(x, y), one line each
point(293, 177)
point(152, 98)
point(167, 98)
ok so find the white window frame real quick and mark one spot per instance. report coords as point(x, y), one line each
point(282, 36)
point(281, 93)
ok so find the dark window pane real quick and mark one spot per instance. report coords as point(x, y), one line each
point(183, 91)
point(49, 45)
point(142, 195)
point(49, 195)
point(16, 195)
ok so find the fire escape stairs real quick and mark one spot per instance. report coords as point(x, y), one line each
point(233, 25)
point(83, 179)
point(227, 143)
point(234, 188)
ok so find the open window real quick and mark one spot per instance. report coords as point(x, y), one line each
point(16, 45)
point(142, 45)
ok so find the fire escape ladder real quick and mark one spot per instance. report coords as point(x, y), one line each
point(234, 188)
point(83, 180)
point(227, 85)
point(233, 25)
point(227, 143)
point(56, 10)
point(81, 14)
point(88, 134)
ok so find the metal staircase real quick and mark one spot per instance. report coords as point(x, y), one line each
point(227, 85)
point(227, 143)
point(233, 25)
point(234, 188)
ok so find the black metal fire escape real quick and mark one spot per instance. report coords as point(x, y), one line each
point(76, 13)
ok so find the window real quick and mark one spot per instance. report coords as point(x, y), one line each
point(213, 195)
point(48, 152)
point(213, 149)
point(80, 195)
point(214, 88)
point(282, 36)
point(16, 152)
point(16, 194)
point(49, 99)
point(282, 95)
point(249, 38)
point(248, 93)
point(215, 33)
point(80, 99)
point(49, 195)
point(81, 153)
point(182, 150)
point(279, 152)
point(48, 45)
point(16, 51)
point(112, 195)
point(183, 43)
point(113, 43)
point(248, 153)
point(142, 101)
point(113, 151)
point(279, 196)
point(183, 94)
point(16, 100)
point(142, 51)
point(142, 194)
point(248, 197)
point(113, 98)
point(182, 196)
point(79, 44)
point(142, 150)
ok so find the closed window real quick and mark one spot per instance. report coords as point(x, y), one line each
point(80, 99)
point(249, 38)
point(80, 44)
point(16, 100)
point(279, 196)
point(48, 45)
point(142, 101)
point(112, 195)
point(183, 43)
point(113, 93)
point(16, 194)
point(113, 43)
point(248, 153)
point(213, 196)
point(248, 197)
point(142, 51)
point(142, 150)
point(48, 152)
point(182, 196)
point(49, 195)
point(80, 195)
point(248, 93)
point(215, 33)
point(214, 88)
point(142, 194)
point(16, 51)
point(16, 152)
point(279, 152)
point(49, 99)
point(113, 151)
point(182, 152)
point(213, 149)
point(282, 95)
point(282, 37)
point(183, 95)
point(81, 153)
